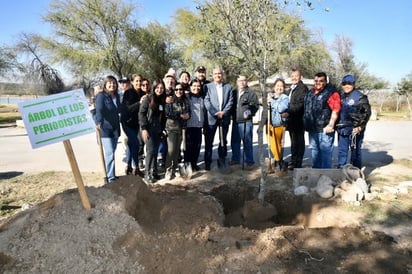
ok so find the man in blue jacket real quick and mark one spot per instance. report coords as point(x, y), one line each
point(354, 115)
point(218, 103)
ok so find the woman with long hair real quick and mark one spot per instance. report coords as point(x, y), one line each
point(152, 121)
point(130, 124)
point(108, 123)
point(177, 114)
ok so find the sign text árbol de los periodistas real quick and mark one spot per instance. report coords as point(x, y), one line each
point(56, 118)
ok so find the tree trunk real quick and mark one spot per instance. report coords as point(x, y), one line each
point(409, 106)
point(262, 148)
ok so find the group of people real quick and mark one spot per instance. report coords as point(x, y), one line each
point(169, 118)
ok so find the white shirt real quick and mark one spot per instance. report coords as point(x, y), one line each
point(219, 95)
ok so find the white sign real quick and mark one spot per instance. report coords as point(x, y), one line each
point(56, 118)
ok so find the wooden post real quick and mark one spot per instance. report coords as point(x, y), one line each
point(76, 173)
point(99, 143)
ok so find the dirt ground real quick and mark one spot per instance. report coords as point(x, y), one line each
point(210, 224)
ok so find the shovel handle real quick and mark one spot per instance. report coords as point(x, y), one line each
point(184, 139)
point(99, 142)
point(222, 142)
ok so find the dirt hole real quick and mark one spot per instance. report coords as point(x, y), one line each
point(242, 208)
point(170, 207)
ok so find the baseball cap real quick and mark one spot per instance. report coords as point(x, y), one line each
point(349, 79)
point(200, 68)
point(170, 73)
point(124, 79)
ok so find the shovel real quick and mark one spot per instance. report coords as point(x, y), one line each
point(185, 169)
point(222, 162)
point(282, 164)
point(99, 143)
point(269, 165)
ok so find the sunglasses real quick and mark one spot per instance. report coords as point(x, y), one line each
point(178, 89)
point(346, 83)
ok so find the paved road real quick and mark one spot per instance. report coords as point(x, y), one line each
point(384, 141)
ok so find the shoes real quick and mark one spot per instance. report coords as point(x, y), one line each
point(221, 162)
point(128, 170)
point(195, 167)
point(156, 176)
point(169, 175)
point(185, 171)
point(233, 163)
point(148, 179)
point(137, 172)
point(141, 164)
point(207, 166)
point(269, 166)
point(291, 166)
point(249, 167)
point(112, 180)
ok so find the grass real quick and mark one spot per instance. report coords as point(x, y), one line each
point(394, 116)
point(9, 113)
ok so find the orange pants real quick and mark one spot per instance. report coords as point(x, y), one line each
point(275, 138)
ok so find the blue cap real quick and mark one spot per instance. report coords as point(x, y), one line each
point(348, 79)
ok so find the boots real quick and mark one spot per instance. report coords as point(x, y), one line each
point(269, 166)
point(281, 169)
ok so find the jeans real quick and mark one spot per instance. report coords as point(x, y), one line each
point(109, 147)
point(297, 146)
point(162, 151)
point(193, 145)
point(133, 145)
point(322, 149)
point(209, 137)
point(344, 143)
point(242, 132)
point(174, 140)
point(152, 148)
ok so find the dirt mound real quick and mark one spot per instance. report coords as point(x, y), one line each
point(198, 228)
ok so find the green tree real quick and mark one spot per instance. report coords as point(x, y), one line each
point(96, 37)
point(157, 54)
point(89, 35)
point(255, 38)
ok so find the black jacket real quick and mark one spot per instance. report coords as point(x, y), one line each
point(247, 101)
point(296, 102)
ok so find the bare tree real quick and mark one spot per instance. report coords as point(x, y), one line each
point(37, 71)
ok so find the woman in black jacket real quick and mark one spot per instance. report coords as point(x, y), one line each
point(130, 124)
point(152, 122)
point(177, 114)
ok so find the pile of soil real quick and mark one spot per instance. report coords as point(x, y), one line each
point(209, 225)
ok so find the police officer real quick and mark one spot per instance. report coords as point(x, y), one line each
point(354, 115)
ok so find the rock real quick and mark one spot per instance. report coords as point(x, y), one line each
point(345, 185)
point(301, 190)
point(325, 187)
point(390, 189)
point(361, 183)
point(353, 194)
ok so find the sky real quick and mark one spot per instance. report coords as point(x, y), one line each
point(379, 29)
